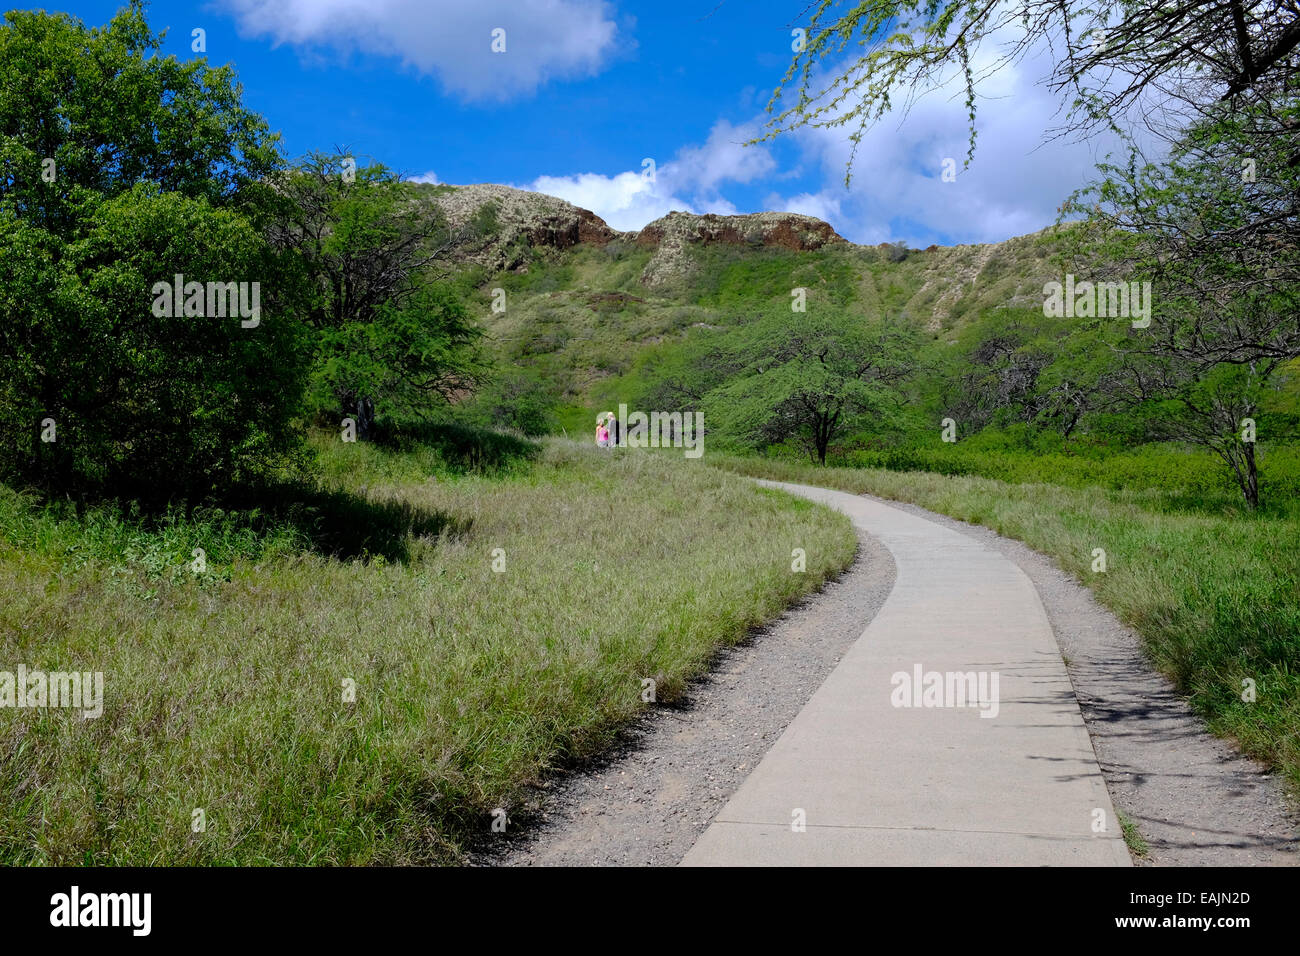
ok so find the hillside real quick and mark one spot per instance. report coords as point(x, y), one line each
point(585, 303)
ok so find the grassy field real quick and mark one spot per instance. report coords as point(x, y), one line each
point(1214, 592)
point(1191, 478)
point(223, 690)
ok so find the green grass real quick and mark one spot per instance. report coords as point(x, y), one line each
point(1215, 596)
point(223, 690)
point(738, 276)
point(1199, 478)
point(1133, 839)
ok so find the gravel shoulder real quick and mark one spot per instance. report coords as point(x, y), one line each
point(1194, 798)
point(650, 801)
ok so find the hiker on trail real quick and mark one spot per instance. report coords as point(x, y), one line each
point(602, 433)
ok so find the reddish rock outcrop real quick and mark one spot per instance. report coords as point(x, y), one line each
point(673, 233)
point(786, 229)
point(527, 220)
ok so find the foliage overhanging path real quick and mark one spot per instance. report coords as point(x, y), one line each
point(876, 783)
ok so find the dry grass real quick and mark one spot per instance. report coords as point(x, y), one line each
point(223, 691)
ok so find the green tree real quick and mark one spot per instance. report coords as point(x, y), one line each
point(371, 251)
point(424, 348)
point(87, 114)
point(1019, 366)
point(120, 169)
point(522, 400)
point(140, 402)
point(809, 379)
point(1216, 231)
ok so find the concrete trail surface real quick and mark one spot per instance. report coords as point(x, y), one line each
point(879, 784)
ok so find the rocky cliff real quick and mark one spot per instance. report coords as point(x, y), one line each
point(671, 235)
point(519, 222)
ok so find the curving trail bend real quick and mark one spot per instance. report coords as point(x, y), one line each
point(860, 777)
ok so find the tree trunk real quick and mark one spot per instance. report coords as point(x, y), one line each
point(361, 410)
point(1074, 420)
point(822, 437)
point(1241, 458)
point(1250, 484)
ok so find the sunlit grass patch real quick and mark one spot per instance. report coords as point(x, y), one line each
point(225, 690)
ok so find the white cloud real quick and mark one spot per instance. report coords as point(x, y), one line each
point(821, 205)
point(626, 201)
point(1013, 186)
point(430, 177)
point(689, 182)
point(451, 39)
point(724, 157)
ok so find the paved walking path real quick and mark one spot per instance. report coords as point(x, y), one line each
point(892, 785)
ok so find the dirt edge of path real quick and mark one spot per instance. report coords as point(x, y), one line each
point(648, 802)
point(1195, 799)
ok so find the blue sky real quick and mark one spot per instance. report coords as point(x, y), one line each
point(588, 89)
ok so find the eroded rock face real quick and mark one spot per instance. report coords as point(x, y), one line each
point(673, 233)
point(788, 229)
point(524, 220)
point(527, 220)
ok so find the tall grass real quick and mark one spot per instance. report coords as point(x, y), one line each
point(224, 691)
point(1197, 474)
point(1215, 597)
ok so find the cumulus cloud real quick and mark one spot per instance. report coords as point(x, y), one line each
point(450, 39)
point(723, 158)
point(430, 177)
point(821, 205)
point(691, 181)
point(1014, 185)
point(626, 201)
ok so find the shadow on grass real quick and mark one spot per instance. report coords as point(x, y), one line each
point(252, 520)
point(342, 525)
point(463, 448)
point(246, 522)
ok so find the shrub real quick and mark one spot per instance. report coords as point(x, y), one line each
point(136, 402)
